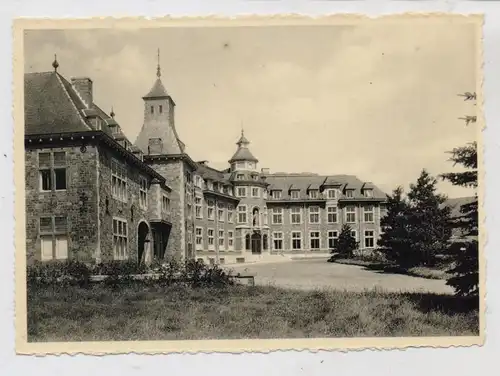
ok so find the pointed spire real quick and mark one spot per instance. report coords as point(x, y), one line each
point(158, 69)
point(242, 142)
point(243, 154)
point(112, 113)
point(55, 64)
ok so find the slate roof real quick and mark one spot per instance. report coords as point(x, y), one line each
point(243, 154)
point(212, 174)
point(307, 181)
point(157, 91)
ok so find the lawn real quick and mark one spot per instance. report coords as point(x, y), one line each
point(141, 312)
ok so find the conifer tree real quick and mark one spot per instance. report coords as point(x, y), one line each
point(466, 251)
point(346, 243)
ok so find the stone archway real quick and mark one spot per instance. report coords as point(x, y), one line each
point(256, 243)
point(143, 243)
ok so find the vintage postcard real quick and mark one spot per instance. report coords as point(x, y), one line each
point(248, 184)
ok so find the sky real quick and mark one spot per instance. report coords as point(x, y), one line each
point(377, 100)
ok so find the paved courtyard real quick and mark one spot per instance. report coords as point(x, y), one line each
point(310, 274)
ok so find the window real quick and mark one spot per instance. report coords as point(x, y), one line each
point(198, 181)
point(240, 177)
point(143, 192)
point(230, 240)
point(314, 214)
point(332, 194)
point(198, 207)
point(160, 108)
point(350, 214)
point(277, 240)
point(165, 204)
point(296, 240)
point(251, 165)
point(314, 239)
point(369, 239)
point(240, 165)
point(264, 216)
point(354, 234)
point(255, 192)
point(242, 214)
point(349, 193)
point(221, 239)
point(255, 177)
point(368, 213)
point(52, 167)
point(276, 195)
point(210, 185)
point(294, 194)
point(198, 238)
point(120, 239)
point(295, 215)
point(242, 191)
point(368, 193)
point(210, 236)
point(152, 109)
point(332, 214)
point(277, 216)
point(53, 233)
point(313, 193)
point(332, 239)
point(210, 210)
point(220, 213)
point(118, 181)
point(189, 211)
point(230, 213)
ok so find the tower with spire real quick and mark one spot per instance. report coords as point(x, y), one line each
point(243, 159)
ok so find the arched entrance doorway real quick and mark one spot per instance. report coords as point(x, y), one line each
point(256, 243)
point(143, 242)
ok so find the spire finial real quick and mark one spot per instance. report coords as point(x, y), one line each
point(55, 64)
point(158, 70)
point(112, 113)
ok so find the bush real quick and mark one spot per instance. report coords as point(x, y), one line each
point(58, 272)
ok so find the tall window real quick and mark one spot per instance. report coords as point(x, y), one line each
point(277, 216)
point(230, 240)
point(255, 192)
point(314, 239)
point(199, 238)
point(160, 108)
point(118, 180)
point(230, 213)
point(242, 214)
point(294, 194)
point(314, 214)
point(242, 191)
point(165, 204)
point(295, 215)
point(198, 207)
point(296, 240)
point(350, 214)
point(221, 239)
point(120, 239)
point(53, 233)
point(349, 193)
point(210, 236)
point(368, 213)
point(313, 193)
point(143, 192)
point(211, 209)
point(332, 214)
point(277, 240)
point(332, 239)
point(220, 213)
point(332, 194)
point(369, 239)
point(152, 109)
point(52, 170)
point(276, 195)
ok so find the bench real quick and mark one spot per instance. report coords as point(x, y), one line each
point(247, 279)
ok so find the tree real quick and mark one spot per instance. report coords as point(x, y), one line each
point(466, 250)
point(395, 242)
point(429, 220)
point(346, 243)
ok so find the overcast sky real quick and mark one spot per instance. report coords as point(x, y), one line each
point(376, 100)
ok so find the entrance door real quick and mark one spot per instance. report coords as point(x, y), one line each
point(143, 243)
point(256, 243)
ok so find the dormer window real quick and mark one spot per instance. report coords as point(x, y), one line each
point(255, 177)
point(313, 193)
point(210, 185)
point(276, 195)
point(294, 194)
point(349, 193)
point(152, 109)
point(240, 177)
point(368, 192)
point(332, 193)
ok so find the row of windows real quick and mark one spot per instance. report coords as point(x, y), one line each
point(223, 213)
point(315, 239)
point(314, 193)
point(221, 240)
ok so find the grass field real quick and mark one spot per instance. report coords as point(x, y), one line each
point(167, 313)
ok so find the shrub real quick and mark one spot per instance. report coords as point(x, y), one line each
point(58, 272)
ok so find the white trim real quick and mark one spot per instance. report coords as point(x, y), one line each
point(301, 240)
point(210, 247)
point(230, 236)
point(348, 212)
point(282, 238)
point(198, 247)
point(238, 211)
point(311, 238)
point(372, 212)
point(292, 214)
point(280, 214)
point(369, 237)
point(318, 213)
point(127, 232)
point(328, 214)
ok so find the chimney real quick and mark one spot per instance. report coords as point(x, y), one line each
point(265, 171)
point(83, 86)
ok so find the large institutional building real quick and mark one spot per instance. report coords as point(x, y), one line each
point(93, 195)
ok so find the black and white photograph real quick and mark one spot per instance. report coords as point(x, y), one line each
point(249, 180)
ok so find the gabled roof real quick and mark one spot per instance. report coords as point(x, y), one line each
point(51, 105)
point(157, 91)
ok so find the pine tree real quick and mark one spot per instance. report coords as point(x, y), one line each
point(346, 243)
point(429, 220)
point(395, 242)
point(466, 251)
